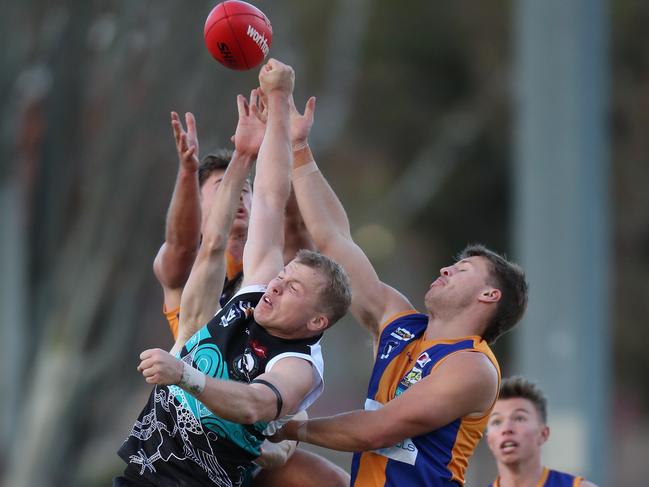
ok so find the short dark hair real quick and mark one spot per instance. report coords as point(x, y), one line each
point(509, 278)
point(216, 161)
point(519, 387)
point(336, 294)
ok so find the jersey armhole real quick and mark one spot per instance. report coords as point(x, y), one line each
point(317, 367)
point(395, 317)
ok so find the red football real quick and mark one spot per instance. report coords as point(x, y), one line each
point(238, 34)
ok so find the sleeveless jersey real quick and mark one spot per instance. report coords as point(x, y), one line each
point(177, 439)
point(551, 478)
point(438, 458)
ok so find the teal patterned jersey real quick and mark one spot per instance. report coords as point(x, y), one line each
point(177, 437)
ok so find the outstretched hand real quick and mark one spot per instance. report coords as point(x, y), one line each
point(301, 124)
point(186, 141)
point(160, 367)
point(252, 124)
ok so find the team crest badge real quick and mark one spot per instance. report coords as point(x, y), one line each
point(245, 366)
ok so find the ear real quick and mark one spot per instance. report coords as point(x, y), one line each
point(545, 434)
point(318, 323)
point(490, 295)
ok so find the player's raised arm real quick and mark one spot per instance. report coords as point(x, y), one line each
point(198, 302)
point(372, 300)
point(262, 257)
point(174, 260)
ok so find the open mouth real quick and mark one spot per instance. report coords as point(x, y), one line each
point(508, 446)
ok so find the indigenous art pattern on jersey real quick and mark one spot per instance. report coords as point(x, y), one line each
point(177, 437)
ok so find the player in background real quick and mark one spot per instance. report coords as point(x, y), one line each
point(435, 379)
point(192, 197)
point(516, 432)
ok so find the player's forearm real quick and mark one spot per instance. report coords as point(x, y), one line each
point(182, 232)
point(198, 302)
point(323, 214)
point(296, 235)
point(272, 181)
point(237, 402)
point(183, 224)
point(225, 204)
point(353, 431)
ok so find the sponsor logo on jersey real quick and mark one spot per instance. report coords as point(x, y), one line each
point(402, 334)
point(405, 451)
point(387, 349)
point(409, 380)
point(258, 349)
point(423, 359)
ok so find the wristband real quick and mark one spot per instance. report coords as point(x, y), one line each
point(305, 170)
point(300, 432)
point(192, 380)
point(300, 146)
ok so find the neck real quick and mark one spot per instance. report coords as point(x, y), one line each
point(520, 474)
point(448, 326)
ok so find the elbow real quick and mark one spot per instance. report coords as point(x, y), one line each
point(249, 415)
point(378, 439)
point(214, 244)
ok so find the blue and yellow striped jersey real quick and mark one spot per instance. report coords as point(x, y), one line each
point(437, 458)
point(551, 478)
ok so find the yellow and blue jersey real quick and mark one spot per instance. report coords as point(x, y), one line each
point(437, 458)
point(552, 478)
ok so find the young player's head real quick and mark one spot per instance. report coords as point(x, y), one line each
point(308, 296)
point(485, 280)
point(210, 174)
point(517, 425)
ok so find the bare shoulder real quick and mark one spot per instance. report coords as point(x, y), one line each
point(470, 361)
point(472, 369)
point(291, 363)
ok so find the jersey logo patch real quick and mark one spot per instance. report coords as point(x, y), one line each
point(245, 366)
point(242, 309)
point(402, 334)
point(423, 359)
point(258, 349)
point(410, 379)
point(388, 348)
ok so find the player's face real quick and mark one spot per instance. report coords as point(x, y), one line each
point(291, 302)
point(515, 432)
point(458, 285)
point(208, 190)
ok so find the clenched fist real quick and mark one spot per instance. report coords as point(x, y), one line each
point(160, 367)
point(276, 76)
